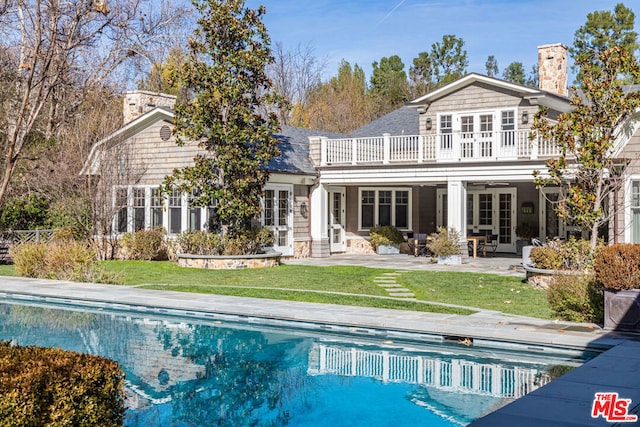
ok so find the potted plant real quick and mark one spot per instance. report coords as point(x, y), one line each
point(445, 244)
point(525, 233)
point(386, 239)
point(617, 269)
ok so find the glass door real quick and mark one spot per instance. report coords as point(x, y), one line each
point(277, 215)
point(337, 235)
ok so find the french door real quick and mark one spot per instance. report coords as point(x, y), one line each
point(493, 211)
point(337, 235)
point(277, 215)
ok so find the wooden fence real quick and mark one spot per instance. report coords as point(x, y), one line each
point(18, 237)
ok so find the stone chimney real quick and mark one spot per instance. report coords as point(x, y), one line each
point(139, 102)
point(553, 68)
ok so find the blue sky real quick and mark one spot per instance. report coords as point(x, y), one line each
point(363, 31)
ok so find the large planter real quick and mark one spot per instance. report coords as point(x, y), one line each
point(450, 259)
point(622, 310)
point(388, 249)
point(229, 262)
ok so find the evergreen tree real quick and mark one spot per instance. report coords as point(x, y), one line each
point(604, 30)
point(491, 66)
point(514, 73)
point(389, 87)
point(225, 71)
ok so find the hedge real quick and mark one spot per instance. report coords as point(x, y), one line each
point(52, 387)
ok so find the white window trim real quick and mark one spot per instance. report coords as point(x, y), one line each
point(393, 206)
point(628, 203)
point(184, 210)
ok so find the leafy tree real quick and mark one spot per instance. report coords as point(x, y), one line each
point(55, 53)
point(389, 86)
point(586, 138)
point(602, 31)
point(514, 73)
point(294, 73)
point(339, 105)
point(446, 62)
point(225, 71)
point(491, 66)
point(162, 76)
point(534, 77)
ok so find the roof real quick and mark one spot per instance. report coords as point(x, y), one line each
point(294, 144)
point(535, 96)
point(403, 121)
point(294, 149)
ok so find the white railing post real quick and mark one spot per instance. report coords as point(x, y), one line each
point(421, 148)
point(354, 151)
point(323, 150)
point(535, 145)
point(386, 146)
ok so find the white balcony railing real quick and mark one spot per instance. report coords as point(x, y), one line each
point(445, 147)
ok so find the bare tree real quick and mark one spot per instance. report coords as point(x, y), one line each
point(294, 73)
point(57, 52)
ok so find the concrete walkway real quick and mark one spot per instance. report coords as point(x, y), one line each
point(569, 400)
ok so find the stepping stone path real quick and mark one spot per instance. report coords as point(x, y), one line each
point(388, 282)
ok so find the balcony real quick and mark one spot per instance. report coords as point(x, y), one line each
point(445, 147)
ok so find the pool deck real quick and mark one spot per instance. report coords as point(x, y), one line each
point(566, 401)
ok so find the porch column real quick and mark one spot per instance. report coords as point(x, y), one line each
point(319, 221)
point(457, 211)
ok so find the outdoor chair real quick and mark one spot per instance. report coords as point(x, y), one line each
point(492, 240)
point(419, 244)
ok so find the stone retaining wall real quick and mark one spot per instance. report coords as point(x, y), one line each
point(217, 262)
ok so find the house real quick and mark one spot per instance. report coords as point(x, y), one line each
point(459, 156)
point(133, 161)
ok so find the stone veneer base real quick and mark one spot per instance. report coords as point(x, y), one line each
point(226, 262)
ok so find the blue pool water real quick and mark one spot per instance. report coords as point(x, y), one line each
point(194, 372)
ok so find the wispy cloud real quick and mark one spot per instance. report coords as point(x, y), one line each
point(390, 13)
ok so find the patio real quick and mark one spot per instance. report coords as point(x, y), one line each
point(499, 263)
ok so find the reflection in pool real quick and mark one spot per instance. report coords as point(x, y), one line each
point(194, 372)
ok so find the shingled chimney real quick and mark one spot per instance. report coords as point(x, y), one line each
point(553, 68)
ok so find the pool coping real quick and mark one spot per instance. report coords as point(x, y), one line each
point(489, 328)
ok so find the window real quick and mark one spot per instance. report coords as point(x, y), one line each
point(446, 131)
point(213, 223)
point(175, 212)
point(194, 216)
point(635, 212)
point(156, 208)
point(402, 209)
point(508, 129)
point(367, 206)
point(485, 209)
point(385, 207)
point(121, 206)
point(139, 198)
point(466, 136)
point(269, 214)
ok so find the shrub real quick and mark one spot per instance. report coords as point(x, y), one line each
point(546, 257)
point(445, 242)
point(385, 235)
point(617, 267)
point(574, 254)
point(145, 245)
point(201, 243)
point(29, 259)
point(60, 260)
point(244, 242)
point(576, 298)
point(52, 387)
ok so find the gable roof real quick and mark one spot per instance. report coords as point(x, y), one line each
point(533, 95)
point(403, 121)
point(293, 143)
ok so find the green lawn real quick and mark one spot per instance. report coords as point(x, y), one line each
point(319, 284)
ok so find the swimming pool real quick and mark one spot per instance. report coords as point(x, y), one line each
point(188, 371)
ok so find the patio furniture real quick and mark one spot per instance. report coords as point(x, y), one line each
point(420, 244)
point(476, 242)
point(493, 242)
